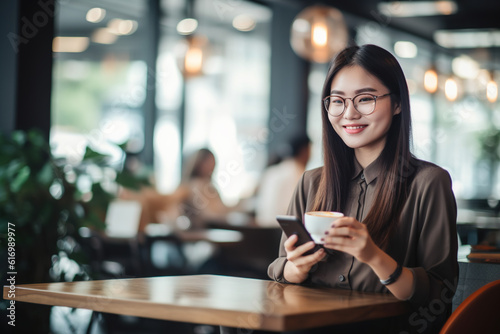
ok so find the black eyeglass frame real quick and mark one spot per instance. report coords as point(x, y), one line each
point(375, 97)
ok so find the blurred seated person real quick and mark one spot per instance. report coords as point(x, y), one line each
point(203, 202)
point(279, 180)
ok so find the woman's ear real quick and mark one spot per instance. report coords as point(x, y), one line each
point(397, 109)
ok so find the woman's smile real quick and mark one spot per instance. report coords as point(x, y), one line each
point(354, 129)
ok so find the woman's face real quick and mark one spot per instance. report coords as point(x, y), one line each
point(365, 134)
point(207, 166)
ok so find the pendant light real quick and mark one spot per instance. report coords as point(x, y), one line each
point(431, 80)
point(192, 50)
point(318, 33)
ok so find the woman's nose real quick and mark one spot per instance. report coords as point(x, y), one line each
point(350, 112)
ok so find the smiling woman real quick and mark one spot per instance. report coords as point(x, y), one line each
point(398, 234)
point(363, 123)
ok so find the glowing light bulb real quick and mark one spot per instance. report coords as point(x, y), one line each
point(451, 89)
point(431, 81)
point(319, 34)
point(492, 91)
point(193, 61)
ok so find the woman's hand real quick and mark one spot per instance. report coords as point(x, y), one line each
point(298, 265)
point(350, 236)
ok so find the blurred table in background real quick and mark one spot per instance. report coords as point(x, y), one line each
point(478, 227)
point(236, 247)
point(131, 256)
point(239, 250)
point(213, 235)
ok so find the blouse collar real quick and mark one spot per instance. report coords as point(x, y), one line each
point(370, 172)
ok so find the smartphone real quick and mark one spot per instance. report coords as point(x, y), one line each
point(292, 225)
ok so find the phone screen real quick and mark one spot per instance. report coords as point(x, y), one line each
point(292, 225)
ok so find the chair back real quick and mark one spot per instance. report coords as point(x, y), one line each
point(123, 218)
point(478, 313)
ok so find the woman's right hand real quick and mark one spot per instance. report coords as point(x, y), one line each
point(298, 265)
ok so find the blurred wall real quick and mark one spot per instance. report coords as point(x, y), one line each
point(289, 73)
point(26, 63)
point(8, 64)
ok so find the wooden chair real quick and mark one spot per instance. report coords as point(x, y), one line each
point(478, 313)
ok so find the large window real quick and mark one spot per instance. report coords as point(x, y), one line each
point(225, 103)
point(101, 85)
point(99, 77)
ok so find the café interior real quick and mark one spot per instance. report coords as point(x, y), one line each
point(127, 94)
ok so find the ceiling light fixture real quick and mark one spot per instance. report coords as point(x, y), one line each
point(95, 15)
point(431, 81)
point(318, 33)
point(122, 27)
point(187, 26)
point(417, 8)
point(468, 38)
point(405, 49)
point(451, 89)
point(492, 90)
point(192, 54)
point(244, 23)
point(465, 67)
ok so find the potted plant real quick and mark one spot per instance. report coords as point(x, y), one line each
point(43, 208)
point(489, 150)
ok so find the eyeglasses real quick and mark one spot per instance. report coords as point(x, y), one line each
point(363, 103)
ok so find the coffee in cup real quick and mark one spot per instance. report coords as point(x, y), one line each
point(318, 222)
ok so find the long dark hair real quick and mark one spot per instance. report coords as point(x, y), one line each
point(338, 158)
point(194, 164)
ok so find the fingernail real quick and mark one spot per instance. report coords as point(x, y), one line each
point(326, 232)
point(333, 225)
point(322, 239)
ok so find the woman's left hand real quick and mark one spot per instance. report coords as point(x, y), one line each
point(350, 236)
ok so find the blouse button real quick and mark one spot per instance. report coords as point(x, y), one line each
point(341, 278)
point(362, 176)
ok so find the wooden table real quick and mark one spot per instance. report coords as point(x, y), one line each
point(216, 300)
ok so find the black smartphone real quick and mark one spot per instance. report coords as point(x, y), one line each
point(292, 225)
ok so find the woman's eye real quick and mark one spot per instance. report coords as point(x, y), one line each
point(366, 99)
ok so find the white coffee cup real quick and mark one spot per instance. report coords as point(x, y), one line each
point(318, 222)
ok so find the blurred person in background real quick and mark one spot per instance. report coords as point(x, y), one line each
point(203, 203)
point(279, 180)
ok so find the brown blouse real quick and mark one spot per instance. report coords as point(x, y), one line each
point(425, 241)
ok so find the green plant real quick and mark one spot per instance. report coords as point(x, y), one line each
point(42, 200)
point(489, 142)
